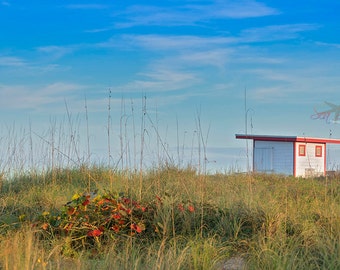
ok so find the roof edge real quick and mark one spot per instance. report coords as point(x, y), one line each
point(286, 138)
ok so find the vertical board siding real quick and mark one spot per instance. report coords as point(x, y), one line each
point(275, 157)
point(310, 164)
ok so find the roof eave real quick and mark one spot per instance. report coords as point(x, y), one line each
point(286, 138)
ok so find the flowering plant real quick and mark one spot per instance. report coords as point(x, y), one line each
point(90, 219)
point(92, 216)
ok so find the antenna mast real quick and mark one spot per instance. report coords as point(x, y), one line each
point(245, 127)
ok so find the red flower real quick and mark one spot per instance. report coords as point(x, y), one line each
point(126, 200)
point(116, 216)
point(136, 228)
point(94, 233)
point(180, 207)
point(115, 228)
point(191, 208)
point(86, 202)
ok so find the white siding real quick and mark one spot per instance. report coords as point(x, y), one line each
point(310, 164)
point(275, 157)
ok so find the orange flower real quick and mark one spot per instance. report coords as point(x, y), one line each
point(191, 208)
point(115, 228)
point(94, 233)
point(71, 210)
point(138, 228)
point(105, 208)
point(45, 226)
point(116, 216)
point(68, 226)
point(101, 202)
point(120, 207)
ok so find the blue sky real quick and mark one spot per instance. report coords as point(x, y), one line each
point(176, 69)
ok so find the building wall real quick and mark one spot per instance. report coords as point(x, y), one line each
point(309, 164)
point(275, 157)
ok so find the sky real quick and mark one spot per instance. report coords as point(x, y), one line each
point(130, 83)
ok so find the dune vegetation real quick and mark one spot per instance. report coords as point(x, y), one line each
point(167, 218)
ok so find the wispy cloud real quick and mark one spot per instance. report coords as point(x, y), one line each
point(11, 61)
point(276, 32)
point(36, 98)
point(56, 52)
point(213, 57)
point(286, 81)
point(98, 30)
point(160, 79)
point(193, 14)
point(86, 6)
point(237, 9)
point(332, 45)
point(181, 42)
point(168, 42)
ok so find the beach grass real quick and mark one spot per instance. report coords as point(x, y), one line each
point(191, 221)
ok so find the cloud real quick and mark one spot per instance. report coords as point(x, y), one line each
point(237, 9)
point(12, 67)
point(190, 42)
point(56, 52)
point(192, 14)
point(276, 32)
point(10, 61)
point(99, 30)
point(160, 79)
point(281, 83)
point(214, 57)
point(37, 98)
point(86, 6)
point(331, 45)
point(168, 42)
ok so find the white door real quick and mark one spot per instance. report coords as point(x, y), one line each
point(263, 159)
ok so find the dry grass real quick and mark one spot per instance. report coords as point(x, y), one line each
point(273, 222)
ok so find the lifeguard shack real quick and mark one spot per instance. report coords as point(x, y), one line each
point(290, 155)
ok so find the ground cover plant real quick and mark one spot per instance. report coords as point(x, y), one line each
point(167, 218)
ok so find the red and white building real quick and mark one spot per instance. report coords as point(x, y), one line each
point(290, 155)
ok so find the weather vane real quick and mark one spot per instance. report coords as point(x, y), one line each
point(325, 115)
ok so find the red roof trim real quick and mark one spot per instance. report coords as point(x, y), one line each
point(287, 139)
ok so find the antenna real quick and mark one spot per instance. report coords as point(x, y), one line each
point(245, 110)
point(328, 158)
point(246, 126)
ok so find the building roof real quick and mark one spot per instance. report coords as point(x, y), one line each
point(286, 138)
